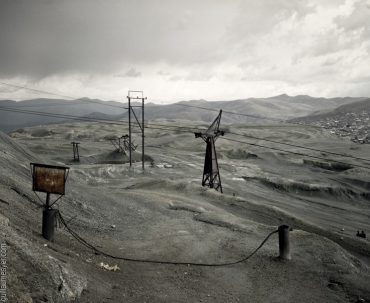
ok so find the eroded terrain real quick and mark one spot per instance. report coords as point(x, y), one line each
point(164, 214)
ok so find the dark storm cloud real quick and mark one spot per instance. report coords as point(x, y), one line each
point(211, 48)
point(48, 37)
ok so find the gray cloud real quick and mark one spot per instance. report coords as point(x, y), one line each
point(259, 17)
point(47, 37)
point(132, 73)
point(163, 73)
point(358, 20)
point(221, 48)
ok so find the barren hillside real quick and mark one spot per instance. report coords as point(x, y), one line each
point(163, 214)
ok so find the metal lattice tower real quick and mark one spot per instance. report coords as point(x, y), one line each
point(211, 172)
point(122, 144)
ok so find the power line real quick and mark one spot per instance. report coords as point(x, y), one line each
point(300, 146)
point(163, 127)
point(234, 113)
point(37, 90)
point(100, 120)
point(58, 104)
point(297, 146)
point(61, 116)
point(57, 95)
point(174, 128)
point(292, 152)
point(176, 104)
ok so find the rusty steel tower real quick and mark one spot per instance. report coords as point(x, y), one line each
point(122, 144)
point(211, 172)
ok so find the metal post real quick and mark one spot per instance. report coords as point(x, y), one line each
point(74, 152)
point(142, 132)
point(129, 127)
point(48, 220)
point(47, 206)
point(48, 223)
point(284, 244)
point(78, 153)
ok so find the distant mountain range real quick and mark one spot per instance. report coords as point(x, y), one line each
point(10, 120)
point(282, 107)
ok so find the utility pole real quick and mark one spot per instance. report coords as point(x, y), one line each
point(129, 125)
point(136, 95)
point(142, 132)
point(76, 154)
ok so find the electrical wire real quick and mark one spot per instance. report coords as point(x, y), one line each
point(234, 113)
point(61, 116)
point(300, 146)
point(62, 104)
point(98, 251)
point(39, 91)
point(92, 101)
point(101, 120)
point(177, 129)
point(176, 104)
point(292, 152)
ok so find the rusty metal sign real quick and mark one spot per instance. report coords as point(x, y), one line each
point(49, 178)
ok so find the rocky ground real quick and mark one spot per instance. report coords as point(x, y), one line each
point(351, 125)
point(350, 121)
point(164, 214)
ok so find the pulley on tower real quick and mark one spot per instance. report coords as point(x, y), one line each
point(211, 173)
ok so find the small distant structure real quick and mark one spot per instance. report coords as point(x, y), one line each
point(211, 172)
point(76, 154)
point(123, 144)
point(361, 234)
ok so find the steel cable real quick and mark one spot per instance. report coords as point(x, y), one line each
point(98, 251)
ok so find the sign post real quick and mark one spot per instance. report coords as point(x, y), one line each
point(49, 179)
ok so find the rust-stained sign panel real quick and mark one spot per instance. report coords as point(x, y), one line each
point(48, 178)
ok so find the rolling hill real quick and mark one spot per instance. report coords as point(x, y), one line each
point(349, 120)
point(164, 214)
point(277, 108)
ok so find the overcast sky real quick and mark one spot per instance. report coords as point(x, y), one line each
point(182, 50)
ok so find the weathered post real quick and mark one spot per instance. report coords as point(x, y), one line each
point(76, 154)
point(49, 179)
point(284, 243)
point(48, 220)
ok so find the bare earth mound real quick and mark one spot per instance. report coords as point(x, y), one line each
point(163, 214)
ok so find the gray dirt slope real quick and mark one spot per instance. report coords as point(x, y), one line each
point(33, 274)
point(153, 216)
point(354, 107)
